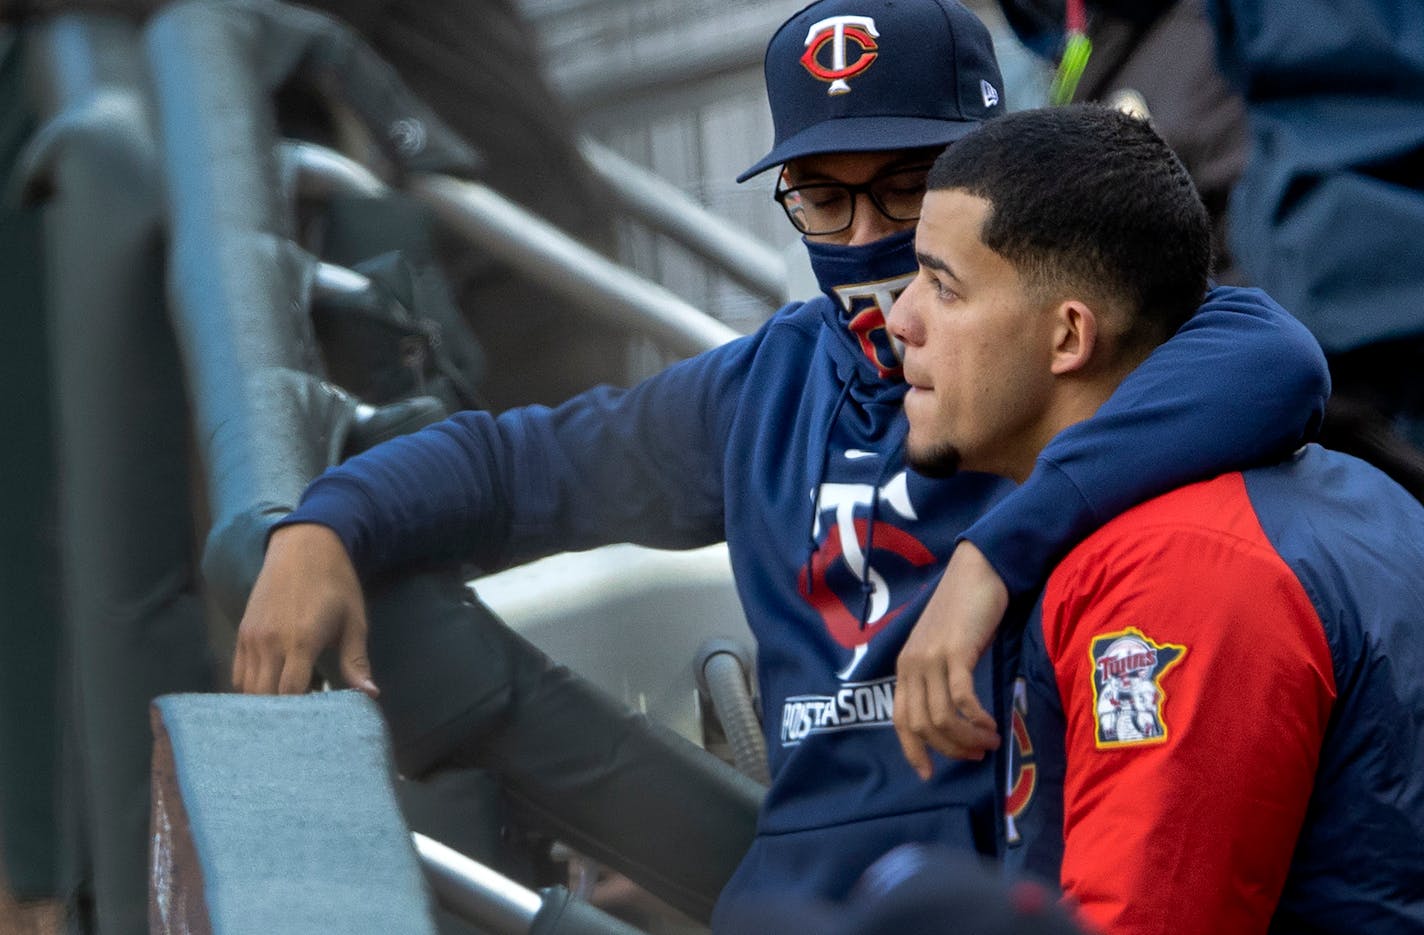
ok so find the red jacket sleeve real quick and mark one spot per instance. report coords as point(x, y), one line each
point(1196, 684)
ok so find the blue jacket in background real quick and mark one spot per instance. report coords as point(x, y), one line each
point(1328, 216)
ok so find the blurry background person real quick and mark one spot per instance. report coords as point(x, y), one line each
point(1328, 215)
point(1303, 128)
point(1156, 58)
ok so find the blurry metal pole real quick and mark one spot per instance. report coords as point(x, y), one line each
point(474, 892)
point(501, 906)
point(692, 57)
point(567, 267)
point(29, 576)
point(313, 171)
point(529, 244)
point(664, 207)
point(136, 626)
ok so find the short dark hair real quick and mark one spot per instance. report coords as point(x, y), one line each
point(1092, 198)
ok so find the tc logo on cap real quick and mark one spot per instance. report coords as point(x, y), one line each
point(837, 31)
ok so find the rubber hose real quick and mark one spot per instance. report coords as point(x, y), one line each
point(732, 702)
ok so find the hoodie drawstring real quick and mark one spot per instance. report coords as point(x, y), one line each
point(820, 479)
point(867, 587)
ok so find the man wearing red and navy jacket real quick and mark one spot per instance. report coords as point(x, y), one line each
point(1220, 723)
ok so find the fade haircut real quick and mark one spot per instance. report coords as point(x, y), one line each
point(1089, 199)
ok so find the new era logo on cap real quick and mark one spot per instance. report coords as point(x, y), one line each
point(873, 75)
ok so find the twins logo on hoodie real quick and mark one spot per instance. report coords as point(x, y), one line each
point(854, 599)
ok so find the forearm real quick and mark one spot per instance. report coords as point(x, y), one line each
point(423, 498)
point(610, 465)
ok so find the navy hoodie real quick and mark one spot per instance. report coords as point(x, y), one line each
point(787, 443)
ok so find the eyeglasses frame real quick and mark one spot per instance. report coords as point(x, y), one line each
point(854, 191)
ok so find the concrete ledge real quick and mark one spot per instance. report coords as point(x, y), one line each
point(277, 816)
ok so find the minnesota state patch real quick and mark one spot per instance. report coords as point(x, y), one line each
point(1127, 670)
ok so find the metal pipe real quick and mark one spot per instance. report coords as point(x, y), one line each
point(322, 172)
point(529, 244)
point(549, 256)
point(319, 172)
point(666, 208)
point(475, 892)
point(338, 282)
point(672, 61)
point(133, 625)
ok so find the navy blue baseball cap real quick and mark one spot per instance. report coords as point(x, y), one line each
point(869, 75)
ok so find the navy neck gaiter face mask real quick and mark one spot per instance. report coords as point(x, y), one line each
point(862, 283)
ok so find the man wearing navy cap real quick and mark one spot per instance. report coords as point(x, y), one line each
point(788, 445)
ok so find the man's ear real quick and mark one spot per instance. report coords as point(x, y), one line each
point(1075, 337)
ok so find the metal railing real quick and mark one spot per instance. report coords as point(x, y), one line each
point(665, 208)
point(475, 892)
point(528, 243)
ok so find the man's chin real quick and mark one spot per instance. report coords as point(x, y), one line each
point(936, 461)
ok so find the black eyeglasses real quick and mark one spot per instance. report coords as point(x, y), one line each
point(829, 207)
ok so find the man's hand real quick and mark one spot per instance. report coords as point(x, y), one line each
point(307, 597)
point(934, 692)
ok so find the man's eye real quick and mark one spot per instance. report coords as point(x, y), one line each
point(911, 182)
point(905, 188)
point(824, 198)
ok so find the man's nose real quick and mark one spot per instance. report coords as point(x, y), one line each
point(902, 322)
point(869, 225)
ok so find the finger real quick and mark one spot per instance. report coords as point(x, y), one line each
point(239, 658)
point(967, 726)
point(954, 740)
point(267, 674)
point(296, 674)
point(942, 728)
point(355, 664)
point(961, 692)
point(960, 742)
point(915, 753)
point(945, 730)
point(940, 710)
point(907, 719)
